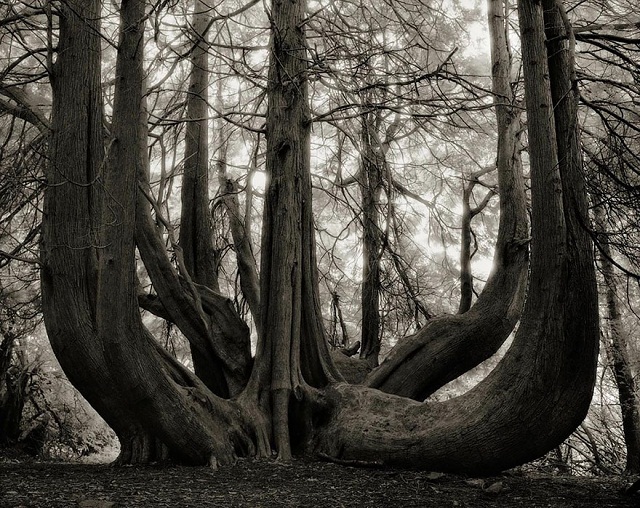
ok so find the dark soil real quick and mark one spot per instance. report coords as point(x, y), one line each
point(267, 483)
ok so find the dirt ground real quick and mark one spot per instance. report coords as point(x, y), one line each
point(265, 483)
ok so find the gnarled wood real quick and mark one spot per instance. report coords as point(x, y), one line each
point(541, 390)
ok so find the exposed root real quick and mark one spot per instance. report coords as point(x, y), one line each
point(348, 462)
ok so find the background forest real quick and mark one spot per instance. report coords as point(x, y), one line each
point(414, 108)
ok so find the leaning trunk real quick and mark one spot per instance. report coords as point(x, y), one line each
point(541, 390)
point(156, 407)
point(448, 346)
point(71, 222)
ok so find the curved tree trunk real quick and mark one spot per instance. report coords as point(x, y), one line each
point(448, 346)
point(534, 398)
point(88, 278)
point(541, 390)
point(70, 226)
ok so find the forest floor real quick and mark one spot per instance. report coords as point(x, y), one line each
point(264, 483)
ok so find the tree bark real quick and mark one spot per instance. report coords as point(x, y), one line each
point(370, 183)
point(536, 396)
point(71, 219)
point(541, 390)
point(292, 352)
point(88, 277)
point(195, 232)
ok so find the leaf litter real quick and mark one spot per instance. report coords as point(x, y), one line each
point(269, 483)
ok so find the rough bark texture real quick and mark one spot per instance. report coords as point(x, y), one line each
point(69, 226)
point(448, 346)
point(535, 397)
point(153, 403)
point(171, 403)
point(370, 183)
point(207, 319)
point(292, 351)
point(541, 390)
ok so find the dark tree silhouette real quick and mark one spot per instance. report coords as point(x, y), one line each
point(290, 397)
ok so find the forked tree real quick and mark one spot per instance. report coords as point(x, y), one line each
point(290, 397)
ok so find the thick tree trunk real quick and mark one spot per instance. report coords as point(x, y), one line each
point(448, 346)
point(88, 277)
point(292, 351)
point(208, 320)
point(541, 390)
point(195, 425)
point(535, 397)
point(71, 218)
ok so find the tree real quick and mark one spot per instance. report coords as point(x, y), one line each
point(618, 352)
point(98, 210)
point(450, 345)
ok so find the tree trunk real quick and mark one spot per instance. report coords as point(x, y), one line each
point(195, 232)
point(71, 221)
point(466, 234)
point(618, 353)
point(88, 277)
point(292, 351)
point(13, 386)
point(541, 390)
point(448, 346)
point(370, 183)
point(95, 209)
point(466, 275)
